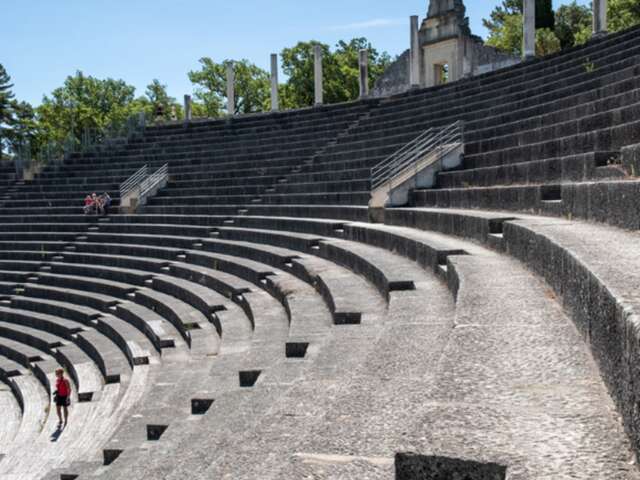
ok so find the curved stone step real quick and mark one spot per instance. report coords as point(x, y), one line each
point(592, 268)
point(82, 369)
point(296, 402)
point(134, 344)
point(33, 410)
point(11, 415)
point(101, 350)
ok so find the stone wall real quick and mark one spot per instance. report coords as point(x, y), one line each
point(395, 79)
point(486, 59)
point(480, 58)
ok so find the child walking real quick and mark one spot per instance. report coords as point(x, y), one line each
point(62, 397)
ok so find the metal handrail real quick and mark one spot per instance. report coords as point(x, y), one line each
point(133, 181)
point(410, 154)
point(154, 180)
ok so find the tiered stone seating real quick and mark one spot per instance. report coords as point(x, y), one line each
point(250, 323)
point(561, 150)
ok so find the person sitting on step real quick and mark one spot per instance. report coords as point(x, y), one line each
point(96, 203)
point(62, 397)
point(88, 204)
point(105, 203)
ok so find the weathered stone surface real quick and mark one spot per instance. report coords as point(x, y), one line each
point(369, 340)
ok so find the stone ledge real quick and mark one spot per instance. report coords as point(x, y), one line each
point(591, 267)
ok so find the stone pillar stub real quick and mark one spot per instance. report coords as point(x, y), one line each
point(275, 101)
point(600, 20)
point(363, 61)
point(529, 30)
point(231, 90)
point(414, 56)
point(317, 60)
point(187, 108)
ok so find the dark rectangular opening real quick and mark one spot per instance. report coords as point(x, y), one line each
point(411, 466)
point(85, 397)
point(296, 349)
point(401, 285)
point(497, 226)
point(154, 432)
point(68, 476)
point(551, 193)
point(200, 406)
point(143, 360)
point(347, 318)
point(249, 378)
point(110, 455)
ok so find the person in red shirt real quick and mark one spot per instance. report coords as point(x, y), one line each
point(88, 204)
point(62, 397)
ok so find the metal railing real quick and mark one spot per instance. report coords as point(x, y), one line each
point(434, 140)
point(152, 181)
point(144, 182)
point(133, 181)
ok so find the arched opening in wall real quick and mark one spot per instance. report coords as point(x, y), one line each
point(441, 73)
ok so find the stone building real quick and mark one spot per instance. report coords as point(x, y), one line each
point(446, 51)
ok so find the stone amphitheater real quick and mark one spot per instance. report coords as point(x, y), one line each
point(252, 321)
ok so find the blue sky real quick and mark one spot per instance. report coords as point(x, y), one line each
point(43, 41)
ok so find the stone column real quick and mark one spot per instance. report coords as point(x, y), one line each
point(529, 31)
point(187, 108)
point(414, 56)
point(364, 73)
point(599, 18)
point(275, 101)
point(317, 56)
point(231, 91)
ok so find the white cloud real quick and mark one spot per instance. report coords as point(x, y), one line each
point(374, 23)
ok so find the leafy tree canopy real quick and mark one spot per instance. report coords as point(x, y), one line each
point(85, 102)
point(251, 87)
point(340, 71)
point(6, 106)
point(571, 20)
point(572, 24)
point(623, 14)
point(158, 99)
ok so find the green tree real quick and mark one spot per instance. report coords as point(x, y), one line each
point(571, 20)
point(347, 58)
point(505, 27)
point(623, 14)
point(500, 14)
point(25, 127)
point(507, 37)
point(85, 102)
point(340, 71)
point(6, 107)
point(573, 24)
point(297, 65)
point(545, 16)
point(251, 87)
point(156, 96)
point(546, 42)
